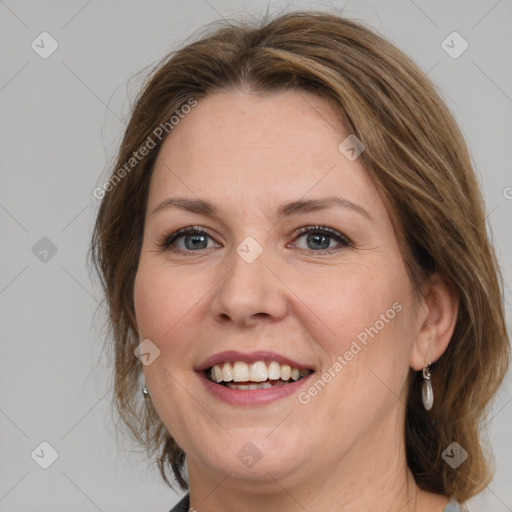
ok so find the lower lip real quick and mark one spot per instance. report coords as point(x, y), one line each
point(251, 396)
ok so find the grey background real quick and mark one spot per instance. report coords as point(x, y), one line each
point(61, 121)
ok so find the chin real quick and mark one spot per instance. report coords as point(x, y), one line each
point(255, 454)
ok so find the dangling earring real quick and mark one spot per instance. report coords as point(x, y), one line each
point(145, 391)
point(427, 394)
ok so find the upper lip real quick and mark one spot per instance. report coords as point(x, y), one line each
point(252, 357)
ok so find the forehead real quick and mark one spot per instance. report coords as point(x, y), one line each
point(239, 146)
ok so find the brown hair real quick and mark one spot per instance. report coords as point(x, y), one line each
point(416, 156)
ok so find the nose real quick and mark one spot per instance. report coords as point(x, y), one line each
point(250, 292)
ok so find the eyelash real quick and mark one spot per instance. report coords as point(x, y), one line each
point(341, 239)
point(167, 240)
point(165, 243)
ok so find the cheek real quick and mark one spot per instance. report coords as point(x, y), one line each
point(362, 315)
point(350, 300)
point(160, 297)
point(161, 302)
point(367, 343)
point(167, 304)
point(145, 300)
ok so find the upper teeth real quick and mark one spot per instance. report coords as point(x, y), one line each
point(255, 372)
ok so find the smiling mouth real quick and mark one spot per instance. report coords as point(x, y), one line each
point(259, 375)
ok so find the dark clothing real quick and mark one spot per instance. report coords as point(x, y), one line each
point(183, 505)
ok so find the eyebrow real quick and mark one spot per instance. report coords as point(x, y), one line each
point(292, 208)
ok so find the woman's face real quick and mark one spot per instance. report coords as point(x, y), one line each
point(255, 288)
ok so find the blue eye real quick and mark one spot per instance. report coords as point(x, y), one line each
point(319, 238)
point(194, 238)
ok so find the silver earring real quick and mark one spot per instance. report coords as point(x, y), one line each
point(427, 394)
point(145, 391)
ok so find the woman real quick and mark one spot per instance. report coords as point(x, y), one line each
point(293, 244)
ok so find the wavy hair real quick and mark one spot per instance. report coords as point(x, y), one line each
point(418, 160)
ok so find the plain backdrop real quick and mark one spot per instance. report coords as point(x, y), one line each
point(61, 120)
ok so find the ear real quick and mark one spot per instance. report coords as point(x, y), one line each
point(437, 316)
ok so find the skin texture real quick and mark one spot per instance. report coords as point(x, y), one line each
point(343, 450)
